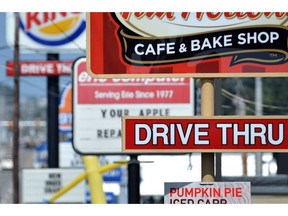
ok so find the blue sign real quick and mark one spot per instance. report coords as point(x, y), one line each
point(113, 175)
point(110, 198)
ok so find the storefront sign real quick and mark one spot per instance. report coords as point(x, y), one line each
point(99, 104)
point(173, 44)
point(47, 31)
point(207, 193)
point(39, 185)
point(200, 134)
point(41, 68)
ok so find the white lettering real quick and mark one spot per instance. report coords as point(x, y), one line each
point(254, 37)
point(138, 128)
point(137, 47)
point(254, 133)
point(224, 128)
point(163, 133)
point(237, 134)
point(280, 134)
point(198, 133)
point(184, 137)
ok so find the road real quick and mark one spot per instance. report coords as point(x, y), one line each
point(6, 186)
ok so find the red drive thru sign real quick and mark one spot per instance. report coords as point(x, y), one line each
point(203, 134)
point(41, 68)
point(157, 44)
point(99, 104)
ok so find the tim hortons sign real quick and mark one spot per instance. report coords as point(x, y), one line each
point(175, 44)
point(203, 134)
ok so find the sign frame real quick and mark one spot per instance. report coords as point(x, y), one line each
point(199, 150)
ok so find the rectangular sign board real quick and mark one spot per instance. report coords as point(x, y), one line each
point(41, 68)
point(99, 104)
point(205, 134)
point(157, 44)
point(39, 185)
point(207, 193)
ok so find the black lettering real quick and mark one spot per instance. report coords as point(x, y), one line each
point(99, 134)
point(223, 201)
point(103, 113)
point(141, 113)
point(108, 133)
point(119, 134)
point(54, 175)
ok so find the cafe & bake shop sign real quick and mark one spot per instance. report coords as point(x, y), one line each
point(151, 43)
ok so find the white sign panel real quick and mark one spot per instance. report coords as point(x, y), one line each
point(39, 185)
point(207, 193)
point(49, 31)
point(99, 104)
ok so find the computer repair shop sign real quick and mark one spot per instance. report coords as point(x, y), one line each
point(207, 193)
point(174, 43)
point(205, 134)
point(99, 104)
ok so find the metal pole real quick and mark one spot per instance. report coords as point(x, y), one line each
point(207, 109)
point(218, 111)
point(123, 186)
point(241, 111)
point(133, 180)
point(94, 180)
point(52, 116)
point(259, 112)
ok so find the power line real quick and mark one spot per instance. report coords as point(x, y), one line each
point(230, 95)
point(77, 45)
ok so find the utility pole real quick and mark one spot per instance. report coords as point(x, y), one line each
point(259, 112)
point(218, 111)
point(16, 114)
point(53, 116)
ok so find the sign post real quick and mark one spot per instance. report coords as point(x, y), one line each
point(53, 116)
point(134, 180)
point(207, 109)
